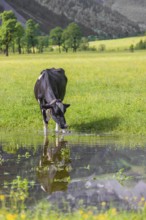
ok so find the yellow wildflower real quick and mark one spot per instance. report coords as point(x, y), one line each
point(80, 212)
point(142, 199)
point(23, 216)
point(113, 211)
point(102, 217)
point(2, 197)
point(85, 216)
point(11, 216)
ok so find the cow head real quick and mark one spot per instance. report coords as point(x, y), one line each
point(57, 110)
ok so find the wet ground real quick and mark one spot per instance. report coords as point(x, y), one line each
point(71, 171)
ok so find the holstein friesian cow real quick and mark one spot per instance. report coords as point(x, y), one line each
point(49, 91)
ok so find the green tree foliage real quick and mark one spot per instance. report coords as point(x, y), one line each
point(42, 42)
point(19, 36)
point(74, 36)
point(141, 45)
point(65, 40)
point(131, 48)
point(31, 33)
point(13, 34)
point(101, 48)
point(7, 29)
point(84, 45)
point(70, 37)
point(56, 36)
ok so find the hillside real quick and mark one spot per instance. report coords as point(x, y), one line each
point(135, 10)
point(5, 6)
point(42, 15)
point(101, 19)
point(94, 17)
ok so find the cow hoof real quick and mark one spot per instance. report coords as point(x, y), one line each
point(66, 131)
point(63, 131)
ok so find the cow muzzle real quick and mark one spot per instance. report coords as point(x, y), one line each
point(64, 126)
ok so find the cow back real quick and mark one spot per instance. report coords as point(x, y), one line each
point(51, 84)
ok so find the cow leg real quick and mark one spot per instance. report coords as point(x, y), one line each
point(45, 129)
point(46, 118)
point(45, 122)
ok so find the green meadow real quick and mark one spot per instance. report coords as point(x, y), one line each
point(117, 44)
point(107, 91)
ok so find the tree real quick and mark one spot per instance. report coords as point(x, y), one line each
point(7, 29)
point(56, 36)
point(65, 40)
point(75, 35)
point(131, 48)
point(31, 33)
point(19, 36)
point(141, 45)
point(84, 45)
point(43, 41)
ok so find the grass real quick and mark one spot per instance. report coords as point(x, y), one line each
point(117, 44)
point(107, 94)
point(106, 91)
point(43, 211)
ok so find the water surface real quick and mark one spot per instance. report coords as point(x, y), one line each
point(74, 171)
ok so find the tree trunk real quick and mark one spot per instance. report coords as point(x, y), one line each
point(19, 47)
point(33, 50)
point(7, 50)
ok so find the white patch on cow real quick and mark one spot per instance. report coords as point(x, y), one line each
point(40, 77)
point(60, 105)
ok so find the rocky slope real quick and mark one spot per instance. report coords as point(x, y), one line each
point(94, 17)
point(135, 10)
point(101, 19)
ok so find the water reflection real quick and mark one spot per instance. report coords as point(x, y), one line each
point(54, 166)
point(74, 171)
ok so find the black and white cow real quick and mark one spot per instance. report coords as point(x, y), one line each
point(49, 91)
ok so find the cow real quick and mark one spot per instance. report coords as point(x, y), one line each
point(53, 169)
point(49, 91)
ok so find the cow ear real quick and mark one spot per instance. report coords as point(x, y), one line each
point(47, 106)
point(66, 105)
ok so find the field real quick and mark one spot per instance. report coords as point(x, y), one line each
point(106, 91)
point(117, 44)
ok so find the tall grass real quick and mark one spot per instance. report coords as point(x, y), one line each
point(107, 91)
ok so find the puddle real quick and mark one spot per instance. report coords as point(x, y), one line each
point(71, 172)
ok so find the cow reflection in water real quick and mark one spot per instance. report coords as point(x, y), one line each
point(53, 170)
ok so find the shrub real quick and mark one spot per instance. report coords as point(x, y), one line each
point(101, 48)
point(131, 48)
point(141, 45)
